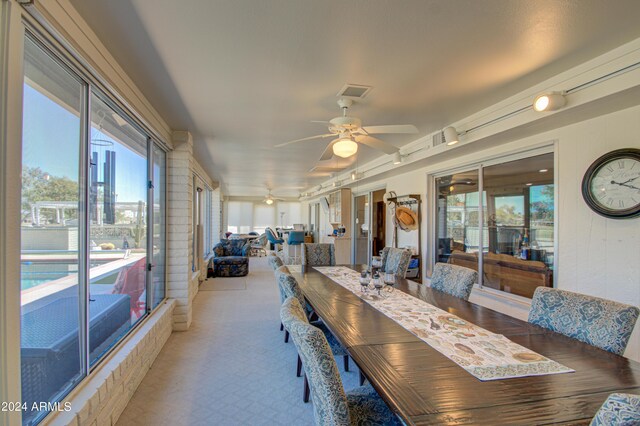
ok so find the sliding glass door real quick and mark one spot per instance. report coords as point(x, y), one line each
point(88, 175)
point(51, 245)
point(508, 233)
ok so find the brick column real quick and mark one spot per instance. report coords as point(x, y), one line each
point(181, 284)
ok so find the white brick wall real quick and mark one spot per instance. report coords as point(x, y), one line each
point(103, 396)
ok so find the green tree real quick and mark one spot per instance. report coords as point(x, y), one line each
point(38, 185)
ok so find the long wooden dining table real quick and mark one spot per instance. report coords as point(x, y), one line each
point(424, 387)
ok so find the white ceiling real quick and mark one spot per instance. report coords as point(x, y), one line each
point(245, 75)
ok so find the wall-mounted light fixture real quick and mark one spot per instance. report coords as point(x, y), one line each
point(397, 158)
point(549, 101)
point(450, 135)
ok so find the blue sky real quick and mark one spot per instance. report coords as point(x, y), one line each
point(51, 137)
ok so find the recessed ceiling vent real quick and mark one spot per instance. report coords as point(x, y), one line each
point(354, 91)
point(437, 139)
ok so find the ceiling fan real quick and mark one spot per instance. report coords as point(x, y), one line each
point(269, 199)
point(349, 132)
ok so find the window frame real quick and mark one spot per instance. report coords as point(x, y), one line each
point(549, 147)
point(60, 51)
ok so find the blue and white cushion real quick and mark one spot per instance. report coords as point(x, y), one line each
point(619, 409)
point(331, 405)
point(274, 261)
point(395, 261)
point(453, 279)
point(598, 322)
point(318, 254)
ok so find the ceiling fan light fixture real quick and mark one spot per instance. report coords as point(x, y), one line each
point(450, 135)
point(345, 147)
point(269, 201)
point(549, 101)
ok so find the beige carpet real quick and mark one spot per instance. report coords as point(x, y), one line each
point(232, 367)
point(224, 283)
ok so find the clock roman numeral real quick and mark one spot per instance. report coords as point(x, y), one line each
point(621, 164)
point(620, 203)
point(609, 168)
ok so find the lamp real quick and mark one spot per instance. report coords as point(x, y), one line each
point(549, 101)
point(353, 175)
point(397, 158)
point(345, 146)
point(269, 201)
point(450, 135)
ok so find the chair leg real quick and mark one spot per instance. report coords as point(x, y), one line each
point(286, 336)
point(305, 396)
point(362, 379)
point(299, 370)
point(281, 327)
point(346, 363)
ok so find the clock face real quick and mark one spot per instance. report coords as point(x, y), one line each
point(611, 186)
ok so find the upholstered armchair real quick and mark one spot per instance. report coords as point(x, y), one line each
point(599, 322)
point(454, 280)
point(230, 259)
point(318, 254)
point(621, 409)
point(331, 404)
point(395, 261)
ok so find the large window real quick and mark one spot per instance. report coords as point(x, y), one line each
point(88, 176)
point(514, 247)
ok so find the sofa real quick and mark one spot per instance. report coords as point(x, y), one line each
point(507, 273)
point(230, 259)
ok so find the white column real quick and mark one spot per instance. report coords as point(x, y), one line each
point(181, 283)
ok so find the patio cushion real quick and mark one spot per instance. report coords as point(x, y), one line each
point(598, 322)
point(620, 409)
point(318, 254)
point(454, 280)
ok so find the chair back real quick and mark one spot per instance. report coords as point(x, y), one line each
point(395, 261)
point(273, 237)
point(131, 281)
point(295, 238)
point(274, 261)
point(314, 254)
point(618, 409)
point(453, 279)
point(329, 399)
point(288, 286)
point(599, 322)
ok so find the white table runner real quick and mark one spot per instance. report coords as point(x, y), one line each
point(486, 355)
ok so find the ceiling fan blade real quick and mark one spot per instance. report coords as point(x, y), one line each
point(394, 128)
point(376, 143)
point(304, 139)
point(320, 121)
point(328, 152)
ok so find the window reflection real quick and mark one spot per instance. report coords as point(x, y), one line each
point(518, 227)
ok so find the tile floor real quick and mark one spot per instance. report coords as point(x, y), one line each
point(232, 367)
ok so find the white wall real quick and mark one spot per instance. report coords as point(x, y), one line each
point(596, 256)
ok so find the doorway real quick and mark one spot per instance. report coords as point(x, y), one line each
point(369, 226)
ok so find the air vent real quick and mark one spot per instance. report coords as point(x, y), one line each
point(354, 91)
point(438, 139)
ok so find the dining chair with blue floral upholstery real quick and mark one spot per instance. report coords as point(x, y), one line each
point(274, 261)
point(599, 322)
point(395, 261)
point(318, 254)
point(332, 406)
point(620, 409)
point(453, 279)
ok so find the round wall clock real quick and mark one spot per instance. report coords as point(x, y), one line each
point(611, 185)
